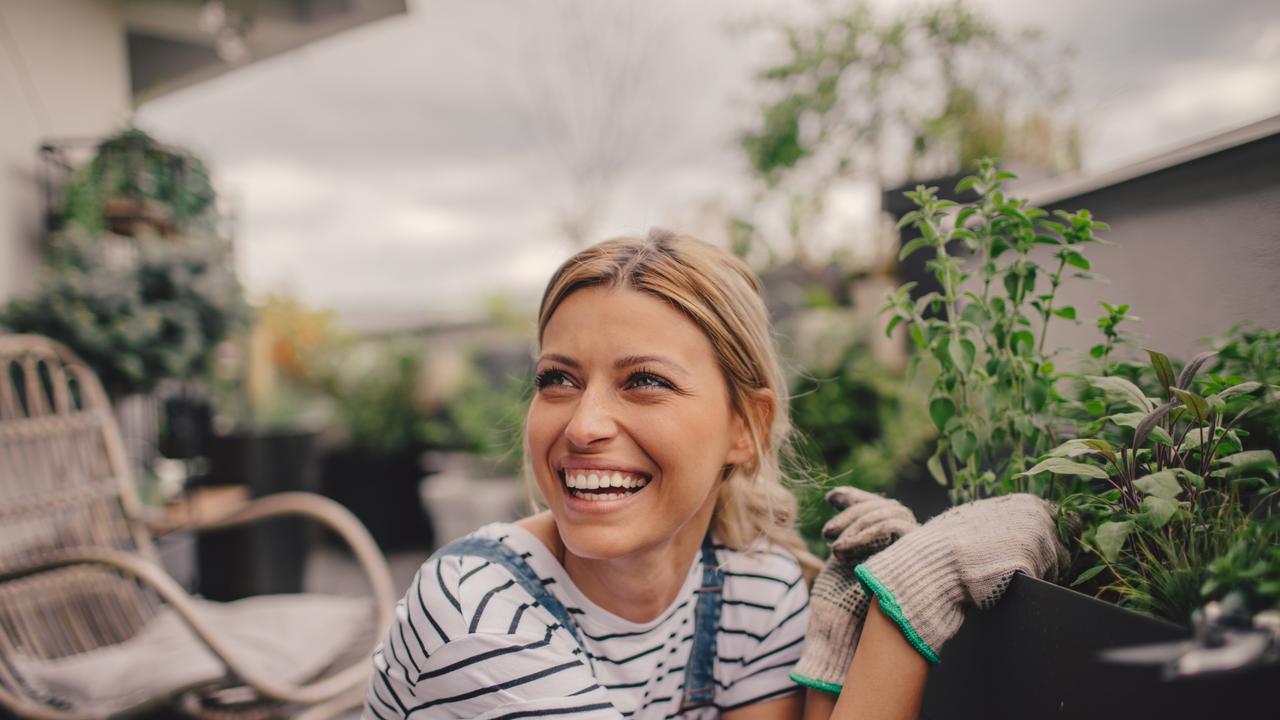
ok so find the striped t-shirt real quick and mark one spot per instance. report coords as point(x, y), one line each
point(469, 642)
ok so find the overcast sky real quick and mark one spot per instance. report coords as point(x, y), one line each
point(403, 172)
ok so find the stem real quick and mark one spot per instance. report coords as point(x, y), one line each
point(1048, 309)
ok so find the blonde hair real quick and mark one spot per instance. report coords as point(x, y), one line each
point(721, 295)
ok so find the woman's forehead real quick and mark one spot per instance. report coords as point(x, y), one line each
point(623, 323)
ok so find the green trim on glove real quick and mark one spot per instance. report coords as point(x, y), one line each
point(889, 606)
point(808, 682)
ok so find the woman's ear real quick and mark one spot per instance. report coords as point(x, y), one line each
point(759, 407)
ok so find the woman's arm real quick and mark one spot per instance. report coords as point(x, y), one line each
point(885, 682)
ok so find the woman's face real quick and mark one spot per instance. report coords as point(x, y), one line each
point(630, 425)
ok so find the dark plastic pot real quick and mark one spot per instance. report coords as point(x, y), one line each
point(1035, 655)
point(269, 556)
point(381, 490)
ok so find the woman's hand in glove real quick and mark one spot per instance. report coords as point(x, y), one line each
point(838, 603)
point(867, 523)
point(965, 556)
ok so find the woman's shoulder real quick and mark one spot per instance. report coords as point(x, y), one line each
point(467, 593)
point(760, 560)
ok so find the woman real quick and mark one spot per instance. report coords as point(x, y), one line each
point(665, 577)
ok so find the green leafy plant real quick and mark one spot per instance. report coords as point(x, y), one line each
point(133, 179)
point(995, 395)
point(158, 314)
point(922, 91)
point(1182, 494)
point(856, 424)
point(1174, 496)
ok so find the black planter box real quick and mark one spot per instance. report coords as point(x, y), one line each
point(268, 556)
point(1035, 655)
point(381, 490)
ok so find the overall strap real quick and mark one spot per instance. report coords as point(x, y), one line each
point(498, 553)
point(699, 673)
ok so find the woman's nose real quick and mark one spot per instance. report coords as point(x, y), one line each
point(592, 421)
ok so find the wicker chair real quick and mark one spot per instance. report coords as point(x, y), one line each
point(92, 626)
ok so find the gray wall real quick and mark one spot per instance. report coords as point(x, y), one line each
point(63, 73)
point(1198, 250)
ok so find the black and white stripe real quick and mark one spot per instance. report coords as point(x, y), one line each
point(468, 641)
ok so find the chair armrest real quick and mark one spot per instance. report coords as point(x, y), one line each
point(327, 513)
point(152, 575)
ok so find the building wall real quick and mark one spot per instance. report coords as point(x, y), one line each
point(63, 74)
point(1198, 250)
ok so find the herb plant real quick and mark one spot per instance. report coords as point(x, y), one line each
point(994, 396)
point(1176, 496)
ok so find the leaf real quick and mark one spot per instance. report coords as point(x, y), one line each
point(1088, 575)
point(1066, 313)
point(1123, 389)
point(1241, 389)
point(964, 443)
point(1080, 446)
point(917, 337)
point(1194, 402)
point(1110, 538)
point(1095, 407)
point(1075, 259)
point(1191, 440)
point(1098, 351)
point(1189, 372)
point(1164, 369)
point(1063, 466)
point(893, 323)
point(1163, 484)
point(962, 355)
point(1157, 511)
point(1249, 460)
point(1129, 420)
point(911, 247)
point(1149, 423)
point(941, 409)
point(935, 467)
point(1023, 342)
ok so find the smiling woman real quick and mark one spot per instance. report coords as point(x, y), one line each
point(665, 577)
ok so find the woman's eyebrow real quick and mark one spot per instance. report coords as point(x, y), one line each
point(562, 359)
point(633, 360)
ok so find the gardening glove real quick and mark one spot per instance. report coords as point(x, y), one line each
point(838, 603)
point(867, 523)
point(965, 556)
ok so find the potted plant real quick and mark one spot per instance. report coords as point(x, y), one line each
point(267, 429)
point(134, 183)
point(376, 469)
point(1174, 502)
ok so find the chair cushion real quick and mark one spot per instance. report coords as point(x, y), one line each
point(290, 638)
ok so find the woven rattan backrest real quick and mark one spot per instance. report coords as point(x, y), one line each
point(64, 484)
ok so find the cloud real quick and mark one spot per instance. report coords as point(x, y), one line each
point(403, 169)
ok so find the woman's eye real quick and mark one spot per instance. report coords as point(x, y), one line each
point(647, 380)
point(551, 378)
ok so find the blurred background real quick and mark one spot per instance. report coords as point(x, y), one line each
point(302, 241)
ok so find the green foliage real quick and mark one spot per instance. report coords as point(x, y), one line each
point(994, 398)
point(857, 424)
point(484, 417)
point(1153, 457)
point(156, 314)
point(1182, 517)
point(375, 398)
point(943, 76)
point(165, 185)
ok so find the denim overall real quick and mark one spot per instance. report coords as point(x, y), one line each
point(699, 677)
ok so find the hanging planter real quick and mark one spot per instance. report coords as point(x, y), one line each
point(135, 185)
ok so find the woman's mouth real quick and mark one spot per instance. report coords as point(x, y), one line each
point(602, 485)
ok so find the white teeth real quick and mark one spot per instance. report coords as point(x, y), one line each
point(578, 480)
